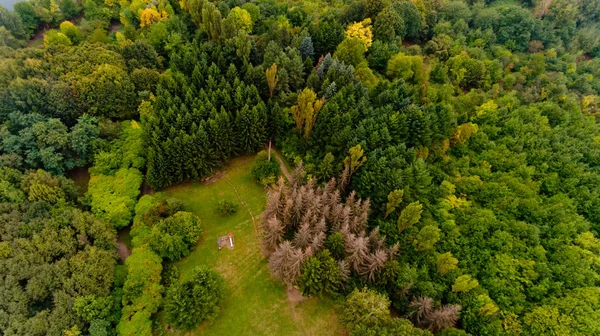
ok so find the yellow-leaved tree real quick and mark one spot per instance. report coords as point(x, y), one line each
point(148, 17)
point(305, 113)
point(362, 31)
point(238, 20)
point(272, 79)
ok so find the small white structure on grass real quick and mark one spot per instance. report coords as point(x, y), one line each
point(225, 241)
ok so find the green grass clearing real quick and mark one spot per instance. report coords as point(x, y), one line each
point(255, 304)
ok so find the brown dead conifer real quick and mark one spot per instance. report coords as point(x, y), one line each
point(443, 317)
point(303, 236)
point(286, 262)
point(272, 235)
point(357, 250)
point(373, 264)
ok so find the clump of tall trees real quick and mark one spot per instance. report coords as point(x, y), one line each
point(315, 238)
point(116, 177)
point(70, 278)
point(160, 231)
point(474, 124)
point(212, 116)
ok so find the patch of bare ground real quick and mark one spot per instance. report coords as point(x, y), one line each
point(294, 298)
point(283, 167)
point(213, 178)
point(122, 249)
point(293, 294)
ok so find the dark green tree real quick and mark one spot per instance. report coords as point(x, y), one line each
point(189, 303)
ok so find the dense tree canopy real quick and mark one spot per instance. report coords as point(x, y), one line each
point(447, 151)
point(51, 256)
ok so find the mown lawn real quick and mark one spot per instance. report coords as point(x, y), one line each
point(255, 304)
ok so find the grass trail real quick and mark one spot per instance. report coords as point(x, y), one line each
point(254, 304)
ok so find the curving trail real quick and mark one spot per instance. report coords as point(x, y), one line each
point(282, 166)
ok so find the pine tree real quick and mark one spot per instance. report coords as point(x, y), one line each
point(275, 121)
point(410, 216)
point(421, 309)
point(317, 242)
point(244, 130)
point(302, 237)
point(286, 262)
point(204, 156)
point(373, 264)
point(310, 279)
point(444, 317)
point(424, 315)
point(272, 232)
point(335, 244)
point(357, 250)
point(306, 48)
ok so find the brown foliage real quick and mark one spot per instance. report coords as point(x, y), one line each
point(286, 262)
point(424, 315)
point(272, 235)
point(308, 213)
point(443, 317)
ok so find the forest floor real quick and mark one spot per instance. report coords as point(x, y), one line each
point(124, 245)
point(254, 304)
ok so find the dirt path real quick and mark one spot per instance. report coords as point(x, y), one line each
point(124, 252)
point(295, 297)
point(243, 204)
point(282, 166)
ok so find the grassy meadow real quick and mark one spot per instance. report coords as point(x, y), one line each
point(255, 304)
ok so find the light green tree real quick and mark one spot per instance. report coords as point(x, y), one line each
point(464, 283)
point(446, 262)
point(410, 216)
point(426, 238)
point(394, 199)
point(55, 38)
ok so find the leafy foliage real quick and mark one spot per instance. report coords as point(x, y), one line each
point(264, 170)
point(142, 292)
point(226, 208)
point(365, 308)
point(173, 237)
point(471, 127)
point(70, 257)
point(195, 300)
point(116, 179)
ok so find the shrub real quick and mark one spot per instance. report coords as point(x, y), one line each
point(225, 207)
point(195, 300)
point(173, 237)
point(365, 308)
point(263, 170)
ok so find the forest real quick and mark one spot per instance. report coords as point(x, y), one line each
point(444, 161)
